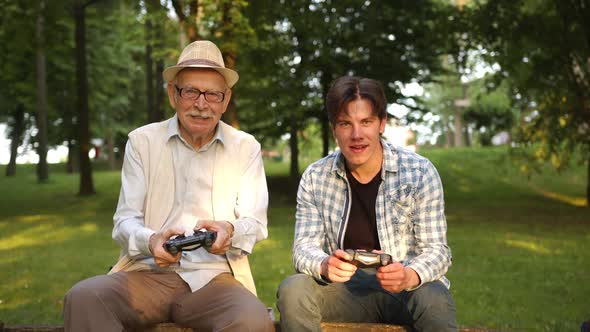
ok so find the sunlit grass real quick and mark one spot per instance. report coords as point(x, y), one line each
point(575, 201)
point(528, 245)
point(519, 256)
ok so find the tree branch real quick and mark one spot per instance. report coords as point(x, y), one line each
point(178, 9)
point(194, 8)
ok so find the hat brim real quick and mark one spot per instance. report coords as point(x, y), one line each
point(231, 76)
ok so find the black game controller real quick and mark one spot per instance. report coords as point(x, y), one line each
point(365, 259)
point(191, 242)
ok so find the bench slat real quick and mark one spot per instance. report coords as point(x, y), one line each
point(169, 327)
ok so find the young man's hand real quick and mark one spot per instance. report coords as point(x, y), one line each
point(395, 277)
point(336, 268)
point(156, 244)
point(225, 232)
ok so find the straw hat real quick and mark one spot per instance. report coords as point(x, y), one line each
point(201, 54)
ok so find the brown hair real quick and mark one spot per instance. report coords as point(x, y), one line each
point(348, 88)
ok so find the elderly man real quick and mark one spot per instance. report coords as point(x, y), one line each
point(378, 199)
point(185, 174)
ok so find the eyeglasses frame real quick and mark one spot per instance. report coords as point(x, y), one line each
point(204, 93)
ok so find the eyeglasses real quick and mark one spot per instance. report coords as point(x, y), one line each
point(194, 94)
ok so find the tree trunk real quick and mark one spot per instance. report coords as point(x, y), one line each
point(16, 138)
point(458, 129)
point(86, 184)
point(110, 150)
point(70, 127)
point(188, 23)
point(159, 106)
point(41, 118)
point(325, 135)
point(160, 84)
point(229, 58)
point(323, 117)
point(73, 163)
point(446, 127)
point(149, 70)
point(467, 134)
point(154, 40)
point(588, 183)
point(231, 114)
point(294, 146)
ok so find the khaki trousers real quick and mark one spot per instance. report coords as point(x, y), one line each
point(133, 300)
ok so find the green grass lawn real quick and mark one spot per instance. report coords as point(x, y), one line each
point(520, 247)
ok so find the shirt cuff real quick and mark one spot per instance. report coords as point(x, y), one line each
point(142, 238)
point(420, 276)
point(238, 228)
point(240, 239)
point(318, 273)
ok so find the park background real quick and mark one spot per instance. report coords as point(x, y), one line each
point(495, 93)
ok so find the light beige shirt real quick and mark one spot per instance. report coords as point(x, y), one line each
point(192, 202)
point(192, 199)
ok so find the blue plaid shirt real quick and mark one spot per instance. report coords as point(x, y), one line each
point(411, 222)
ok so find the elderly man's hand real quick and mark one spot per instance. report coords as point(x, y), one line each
point(225, 232)
point(336, 268)
point(156, 244)
point(395, 277)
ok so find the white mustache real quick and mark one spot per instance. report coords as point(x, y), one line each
point(204, 115)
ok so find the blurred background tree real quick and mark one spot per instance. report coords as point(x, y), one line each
point(486, 68)
point(542, 49)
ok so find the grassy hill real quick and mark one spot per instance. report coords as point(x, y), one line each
point(520, 246)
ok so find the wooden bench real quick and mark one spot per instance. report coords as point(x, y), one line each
point(168, 327)
point(328, 327)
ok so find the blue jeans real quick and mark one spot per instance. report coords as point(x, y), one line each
point(304, 303)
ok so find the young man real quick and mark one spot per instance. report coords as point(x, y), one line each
point(181, 175)
point(368, 196)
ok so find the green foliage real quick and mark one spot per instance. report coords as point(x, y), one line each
point(17, 69)
point(112, 35)
point(302, 46)
point(543, 48)
point(116, 76)
point(289, 52)
point(490, 111)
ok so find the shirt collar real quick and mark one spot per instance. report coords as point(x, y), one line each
point(174, 130)
point(390, 157)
